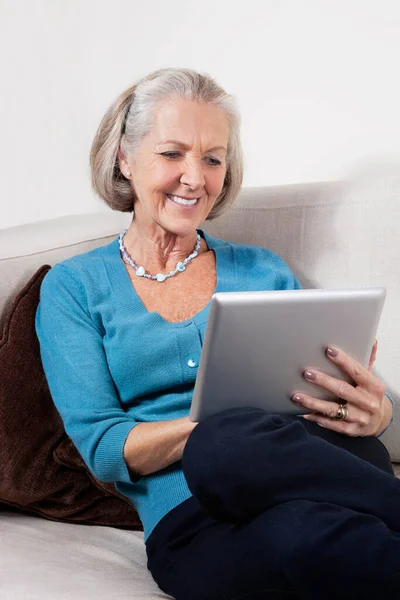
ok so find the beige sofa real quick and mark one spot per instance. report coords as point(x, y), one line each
point(332, 235)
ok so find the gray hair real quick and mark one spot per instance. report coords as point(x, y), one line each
point(129, 120)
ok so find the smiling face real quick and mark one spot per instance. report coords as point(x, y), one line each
point(180, 167)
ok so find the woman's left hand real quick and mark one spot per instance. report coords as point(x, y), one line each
point(367, 410)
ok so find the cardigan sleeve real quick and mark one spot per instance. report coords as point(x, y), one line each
point(78, 376)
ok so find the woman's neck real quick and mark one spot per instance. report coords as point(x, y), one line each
point(157, 250)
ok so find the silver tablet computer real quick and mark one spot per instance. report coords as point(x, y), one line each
point(258, 344)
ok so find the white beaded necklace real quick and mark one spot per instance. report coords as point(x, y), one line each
point(140, 271)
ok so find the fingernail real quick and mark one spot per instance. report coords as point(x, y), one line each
point(309, 375)
point(331, 352)
point(297, 399)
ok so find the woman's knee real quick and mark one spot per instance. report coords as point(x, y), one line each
point(222, 441)
point(218, 431)
point(235, 421)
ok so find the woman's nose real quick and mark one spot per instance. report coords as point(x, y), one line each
point(192, 174)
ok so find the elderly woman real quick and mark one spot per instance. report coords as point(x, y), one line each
point(244, 504)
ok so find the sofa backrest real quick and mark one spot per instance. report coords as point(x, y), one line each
point(333, 235)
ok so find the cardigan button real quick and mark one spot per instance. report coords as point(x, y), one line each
point(192, 362)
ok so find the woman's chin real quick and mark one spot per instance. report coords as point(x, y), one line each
point(182, 229)
point(184, 221)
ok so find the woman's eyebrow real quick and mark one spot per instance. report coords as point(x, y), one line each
point(183, 145)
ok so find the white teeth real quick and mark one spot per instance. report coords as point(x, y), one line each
point(183, 201)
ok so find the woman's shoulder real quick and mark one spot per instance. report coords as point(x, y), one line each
point(246, 251)
point(257, 262)
point(82, 267)
point(256, 252)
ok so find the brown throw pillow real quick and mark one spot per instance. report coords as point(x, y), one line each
point(41, 471)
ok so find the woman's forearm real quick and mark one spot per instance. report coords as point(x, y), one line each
point(151, 447)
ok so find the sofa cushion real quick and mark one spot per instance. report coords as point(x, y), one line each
point(96, 563)
point(41, 471)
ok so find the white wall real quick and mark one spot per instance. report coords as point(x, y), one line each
point(317, 83)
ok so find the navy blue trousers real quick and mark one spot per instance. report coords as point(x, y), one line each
point(281, 508)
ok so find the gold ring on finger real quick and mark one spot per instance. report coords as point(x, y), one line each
point(342, 412)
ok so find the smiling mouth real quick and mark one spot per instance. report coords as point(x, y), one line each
point(182, 201)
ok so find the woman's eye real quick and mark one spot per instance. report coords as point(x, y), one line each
point(170, 154)
point(214, 162)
